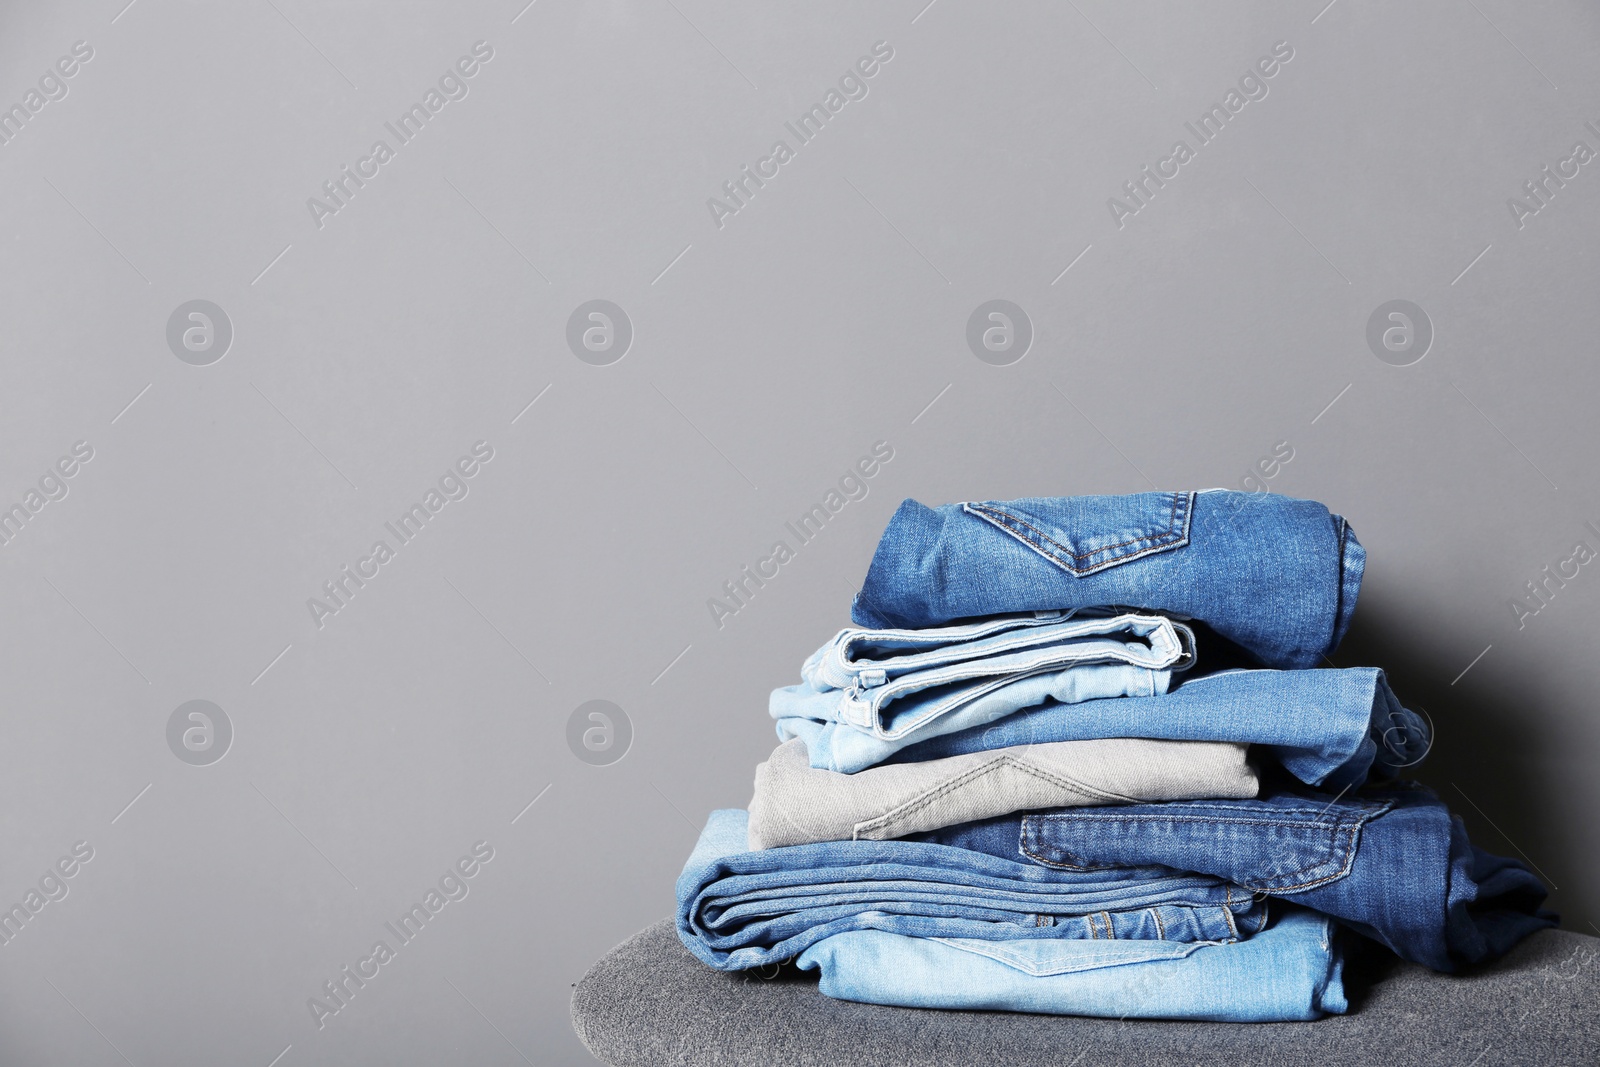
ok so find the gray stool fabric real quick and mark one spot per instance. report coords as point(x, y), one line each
point(648, 1002)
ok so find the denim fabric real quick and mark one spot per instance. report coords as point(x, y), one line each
point(1291, 970)
point(1327, 727)
point(835, 746)
point(899, 686)
point(1276, 575)
point(795, 804)
point(1393, 864)
point(739, 909)
point(649, 1003)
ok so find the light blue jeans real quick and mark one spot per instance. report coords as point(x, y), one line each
point(1289, 971)
point(883, 689)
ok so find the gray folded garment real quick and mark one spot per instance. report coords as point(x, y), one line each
point(795, 804)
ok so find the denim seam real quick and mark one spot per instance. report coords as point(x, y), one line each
point(1095, 627)
point(1345, 838)
point(976, 632)
point(1092, 960)
point(1156, 542)
point(1354, 842)
point(1040, 662)
point(993, 766)
point(1154, 538)
point(1287, 824)
point(1344, 818)
point(1341, 846)
point(876, 703)
point(1062, 645)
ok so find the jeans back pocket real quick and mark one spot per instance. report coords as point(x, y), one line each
point(1086, 534)
point(1282, 844)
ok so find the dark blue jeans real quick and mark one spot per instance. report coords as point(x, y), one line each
point(1275, 575)
point(1393, 864)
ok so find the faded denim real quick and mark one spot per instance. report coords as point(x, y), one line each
point(873, 691)
point(1292, 970)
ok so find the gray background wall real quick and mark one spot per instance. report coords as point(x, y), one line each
point(1229, 314)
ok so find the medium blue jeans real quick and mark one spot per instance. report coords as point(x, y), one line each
point(739, 909)
point(1276, 575)
point(883, 689)
point(1291, 970)
point(1393, 864)
point(1327, 727)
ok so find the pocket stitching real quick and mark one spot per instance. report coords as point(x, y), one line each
point(1346, 827)
point(1158, 541)
point(1065, 548)
point(994, 766)
point(1089, 961)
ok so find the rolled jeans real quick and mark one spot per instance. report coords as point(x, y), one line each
point(739, 908)
point(795, 804)
point(1393, 864)
point(1292, 970)
point(1329, 728)
point(1276, 575)
point(899, 686)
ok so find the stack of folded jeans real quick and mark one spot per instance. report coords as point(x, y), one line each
point(1077, 756)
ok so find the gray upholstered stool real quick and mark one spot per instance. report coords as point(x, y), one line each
point(649, 1002)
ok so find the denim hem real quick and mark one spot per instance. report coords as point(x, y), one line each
point(1352, 565)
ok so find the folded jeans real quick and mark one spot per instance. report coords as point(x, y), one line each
point(795, 804)
point(1393, 863)
point(901, 686)
point(739, 908)
point(1329, 728)
point(1291, 970)
point(1276, 575)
